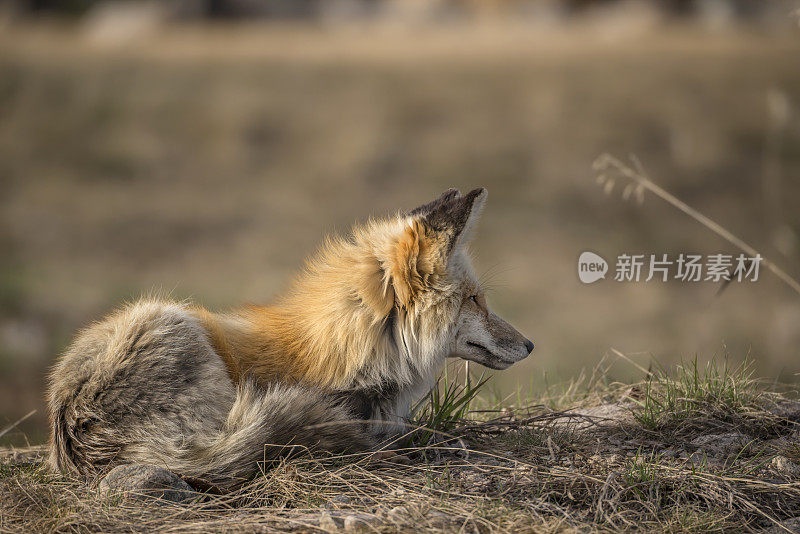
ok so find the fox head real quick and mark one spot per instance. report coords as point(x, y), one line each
point(433, 281)
point(391, 301)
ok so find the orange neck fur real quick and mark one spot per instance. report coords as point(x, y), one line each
point(336, 328)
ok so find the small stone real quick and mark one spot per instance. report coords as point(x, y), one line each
point(786, 466)
point(145, 482)
point(326, 522)
point(398, 513)
point(438, 519)
point(357, 522)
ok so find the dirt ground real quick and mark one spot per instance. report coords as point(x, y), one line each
point(693, 450)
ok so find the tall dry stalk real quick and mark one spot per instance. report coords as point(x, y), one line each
point(606, 164)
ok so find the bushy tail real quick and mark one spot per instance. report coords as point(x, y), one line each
point(263, 426)
point(145, 386)
point(267, 424)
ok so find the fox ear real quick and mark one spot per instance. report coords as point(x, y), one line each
point(412, 263)
point(444, 198)
point(419, 255)
point(455, 216)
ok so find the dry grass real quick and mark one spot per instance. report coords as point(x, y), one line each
point(718, 455)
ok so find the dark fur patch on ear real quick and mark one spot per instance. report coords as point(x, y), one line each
point(444, 198)
point(452, 216)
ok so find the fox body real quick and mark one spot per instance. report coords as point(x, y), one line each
point(333, 365)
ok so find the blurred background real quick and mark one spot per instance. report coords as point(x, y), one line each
point(203, 148)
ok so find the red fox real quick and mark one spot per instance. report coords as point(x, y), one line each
point(363, 332)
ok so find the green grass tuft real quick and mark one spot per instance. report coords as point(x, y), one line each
point(444, 408)
point(691, 391)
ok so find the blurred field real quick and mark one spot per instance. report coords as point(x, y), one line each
point(208, 163)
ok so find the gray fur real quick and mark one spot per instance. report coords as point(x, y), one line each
point(145, 386)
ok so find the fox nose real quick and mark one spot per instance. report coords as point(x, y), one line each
point(529, 345)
